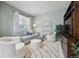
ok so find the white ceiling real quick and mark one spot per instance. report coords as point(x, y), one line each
point(35, 8)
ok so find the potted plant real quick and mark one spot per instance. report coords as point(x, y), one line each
point(59, 31)
point(75, 47)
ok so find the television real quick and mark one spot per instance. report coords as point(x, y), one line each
point(68, 26)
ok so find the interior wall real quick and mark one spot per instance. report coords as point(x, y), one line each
point(0, 19)
point(46, 23)
point(6, 20)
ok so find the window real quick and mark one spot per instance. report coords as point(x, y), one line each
point(22, 24)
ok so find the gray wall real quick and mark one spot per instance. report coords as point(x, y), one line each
point(6, 20)
point(47, 22)
point(0, 17)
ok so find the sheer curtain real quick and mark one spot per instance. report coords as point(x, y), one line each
point(22, 24)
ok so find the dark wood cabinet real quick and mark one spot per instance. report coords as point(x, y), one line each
point(77, 22)
point(71, 34)
point(64, 45)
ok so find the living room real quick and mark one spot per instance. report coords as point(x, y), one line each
point(34, 24)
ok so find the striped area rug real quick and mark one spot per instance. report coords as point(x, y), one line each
point(48, 50)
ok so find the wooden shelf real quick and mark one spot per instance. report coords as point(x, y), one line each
point(73, 13)
point(68, 14)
